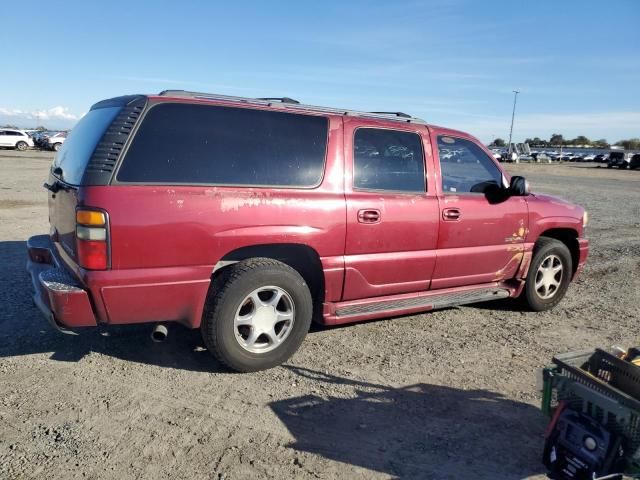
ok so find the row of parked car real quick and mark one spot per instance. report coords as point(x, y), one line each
point(618, 159)
point(24, 139)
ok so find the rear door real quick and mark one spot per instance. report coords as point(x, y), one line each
point(481, 237)
point(3, 138)
point(392, 211)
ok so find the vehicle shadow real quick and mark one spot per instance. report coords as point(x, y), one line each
point(502, 305)
point(416, 431)
point(24, 331)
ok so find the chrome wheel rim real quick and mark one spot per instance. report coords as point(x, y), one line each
point(264, 319)
point(549, 277)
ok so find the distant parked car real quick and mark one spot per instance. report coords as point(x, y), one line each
point(15, 139)
point(55, 142)
point(635, 162)
point(40, 138)
point(589, 157)
point(601, 158)
point(618, 159)
point(541, 157)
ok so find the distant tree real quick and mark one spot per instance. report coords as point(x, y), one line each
point(556, 139)
point(630, 144)
point(602, 143)
point(41, 128)
point(9, 126)
point(539, 142)
point(581, 140)
point(498, 142)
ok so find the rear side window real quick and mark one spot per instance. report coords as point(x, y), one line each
point(388, 160)
point(73, 156)
point(466, 168)
point(200, 144)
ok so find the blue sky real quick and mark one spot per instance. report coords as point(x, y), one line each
point(451, 62)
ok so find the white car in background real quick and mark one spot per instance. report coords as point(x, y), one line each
point(54, 142)
point(12, 138)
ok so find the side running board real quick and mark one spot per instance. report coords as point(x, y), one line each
point(353, 311)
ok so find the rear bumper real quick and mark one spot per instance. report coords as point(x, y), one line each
point(583, 245)
point(58, 295)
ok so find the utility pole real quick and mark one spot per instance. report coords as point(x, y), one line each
point(513, 114)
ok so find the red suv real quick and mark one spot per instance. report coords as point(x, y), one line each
point(248, 218)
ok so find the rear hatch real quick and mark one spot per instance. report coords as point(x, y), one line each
point(616, 157)
point(68, 171)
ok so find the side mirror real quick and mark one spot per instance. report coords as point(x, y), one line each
point(519, 186)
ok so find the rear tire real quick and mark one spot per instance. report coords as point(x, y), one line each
point(549, 274)
point(22, 146)
point(56, 147)
point(245, 324)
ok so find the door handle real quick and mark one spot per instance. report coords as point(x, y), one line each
point(369, 216)
point(451, 214)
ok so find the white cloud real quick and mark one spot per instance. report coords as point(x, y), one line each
point(55, 113)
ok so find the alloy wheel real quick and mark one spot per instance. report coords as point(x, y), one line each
point(264, 319)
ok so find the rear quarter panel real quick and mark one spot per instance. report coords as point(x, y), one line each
point(166, 240)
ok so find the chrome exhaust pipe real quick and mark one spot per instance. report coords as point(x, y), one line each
point(159, 333)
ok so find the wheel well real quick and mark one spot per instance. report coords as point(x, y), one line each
point(569, 237)
point(302, 258)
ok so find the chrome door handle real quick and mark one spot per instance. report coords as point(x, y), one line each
point(451, 214)
point(369, 216)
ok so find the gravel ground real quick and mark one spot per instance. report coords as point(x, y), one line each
point(448, 394)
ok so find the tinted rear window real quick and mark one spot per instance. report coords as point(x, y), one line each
point(77, 149)
point(182, 143)
point(388, 160)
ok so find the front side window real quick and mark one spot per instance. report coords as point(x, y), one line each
point(388, 160)
point(465, 167)
point(204, 144)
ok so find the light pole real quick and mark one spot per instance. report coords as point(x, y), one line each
point(513, 114)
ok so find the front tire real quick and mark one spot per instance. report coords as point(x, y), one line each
point(22, 146)
point(257, 314)
point(56, 147)
point(549, 274)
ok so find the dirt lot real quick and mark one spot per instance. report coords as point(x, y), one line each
point(449, 394)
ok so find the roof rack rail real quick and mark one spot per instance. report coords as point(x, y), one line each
point(186, 93)
point(280, 99)
point(397, 114)
point(293, 105)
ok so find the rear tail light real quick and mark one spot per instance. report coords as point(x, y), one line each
point(92, 232)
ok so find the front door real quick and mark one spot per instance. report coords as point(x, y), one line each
point(392, 211)
point(481, 235)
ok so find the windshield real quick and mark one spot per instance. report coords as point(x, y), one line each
point(81, 142)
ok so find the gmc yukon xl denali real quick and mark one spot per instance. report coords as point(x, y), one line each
point(249, 218)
